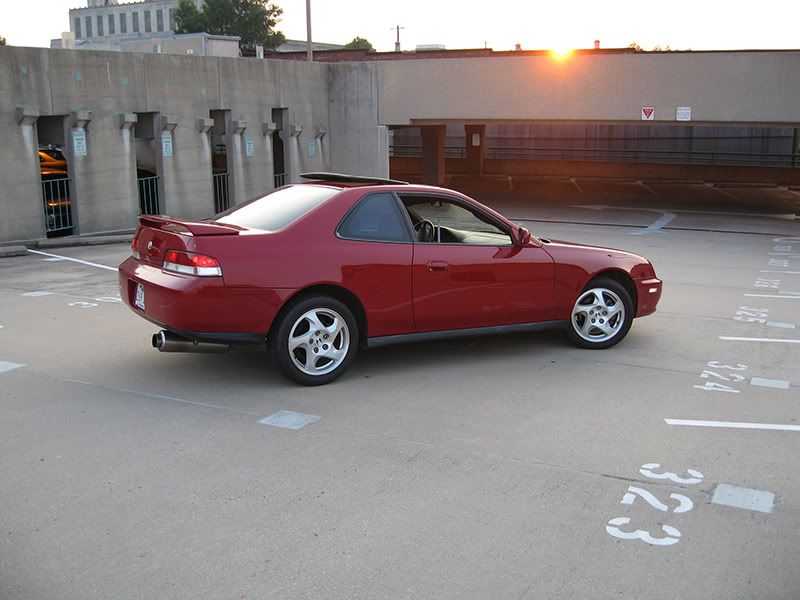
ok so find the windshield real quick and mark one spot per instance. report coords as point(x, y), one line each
point(277, 209)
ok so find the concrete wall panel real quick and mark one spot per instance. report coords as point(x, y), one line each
point(23, 81)
point(359, 143)
point(721, 87)
point(186, 88)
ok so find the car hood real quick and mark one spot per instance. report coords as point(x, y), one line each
point(595, 258)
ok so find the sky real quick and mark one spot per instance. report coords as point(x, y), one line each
point(496, 24)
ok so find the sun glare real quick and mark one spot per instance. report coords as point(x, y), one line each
point(561, 53)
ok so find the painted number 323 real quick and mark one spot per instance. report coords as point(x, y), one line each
point(683, 504)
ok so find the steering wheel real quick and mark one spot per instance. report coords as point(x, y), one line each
point(426, 231)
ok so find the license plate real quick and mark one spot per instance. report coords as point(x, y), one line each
point(139, 300)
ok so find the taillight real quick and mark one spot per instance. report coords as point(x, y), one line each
point(190, 263)
point(135, 248)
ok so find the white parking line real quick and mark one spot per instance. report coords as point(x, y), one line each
point(36, 294)
point(786, 296)
point(749, 339)
point(83, 262)
point(732, 425)
point(9, 366)
point(777, 384)
point(786, 272)
point(781, 325)
point(742, 497)
point(289, 419)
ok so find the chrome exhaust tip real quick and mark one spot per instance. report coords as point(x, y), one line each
point(166, 341)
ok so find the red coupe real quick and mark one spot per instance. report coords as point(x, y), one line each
point(317, 270)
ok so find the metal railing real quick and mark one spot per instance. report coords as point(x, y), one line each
point(695, 157)
point(57, 209)
point(280, 179)
point(221, 196)
point(148, 195)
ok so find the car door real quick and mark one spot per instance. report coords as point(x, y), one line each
point(375, 250)
point(468, 272)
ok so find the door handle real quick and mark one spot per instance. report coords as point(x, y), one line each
point(437, 265)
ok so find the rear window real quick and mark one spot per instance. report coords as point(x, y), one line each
point(277, 209)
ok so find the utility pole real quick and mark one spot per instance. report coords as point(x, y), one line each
point(397, 42)
point(309, 47)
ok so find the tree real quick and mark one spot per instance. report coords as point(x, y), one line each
point(2, 41)
point(632, 45)
point(253, 21)
point(360, 43)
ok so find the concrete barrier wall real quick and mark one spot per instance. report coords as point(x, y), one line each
point(181, 90)
point(410, 168)
point(756, 87)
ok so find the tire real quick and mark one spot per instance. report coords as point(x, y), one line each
point(315, 340)
point(601, 316)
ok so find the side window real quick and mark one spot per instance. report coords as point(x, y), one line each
point(376, 218)
point(438, 220)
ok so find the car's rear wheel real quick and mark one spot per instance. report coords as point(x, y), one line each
point(602, 315)
point(315, 340)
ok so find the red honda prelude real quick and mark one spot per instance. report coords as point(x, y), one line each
point(318, 270)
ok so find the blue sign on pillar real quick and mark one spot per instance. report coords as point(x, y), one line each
point(249, 145)
point(312, 149)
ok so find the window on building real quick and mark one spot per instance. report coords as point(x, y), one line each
point(89, 27)
point(111, 25)
point(100, 32)
point(172, 19)
point(123, 23)
point(77, 30)
point(148, 26)
point(135, 22)
point(159, 20)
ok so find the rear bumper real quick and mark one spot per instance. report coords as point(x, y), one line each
point(648, 292)
point(202, 308)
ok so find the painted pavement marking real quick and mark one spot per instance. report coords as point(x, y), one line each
point(288, 419)
point(732, 425)
point(742, 497)
point(9, 366)
point(750, 339)
point(36, 294)
point(83, 262)
point(781, 325)
point(777, 384)
point(786, 296)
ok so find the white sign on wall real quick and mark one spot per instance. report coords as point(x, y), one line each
point(249, 145)
point(312, 149)
point(648, 113)
point(683, 113)
point(79, 141)
point(166, 143)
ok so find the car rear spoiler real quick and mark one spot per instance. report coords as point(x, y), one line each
point(181, 227)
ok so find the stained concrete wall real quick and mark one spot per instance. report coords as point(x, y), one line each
point(336, 113)
point(359, 141)
point(181, 90)
point(756, 87)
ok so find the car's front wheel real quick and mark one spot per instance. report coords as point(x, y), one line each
point(602, 315)
point(315, 340)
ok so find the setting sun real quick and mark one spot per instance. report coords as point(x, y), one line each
point(561, 53)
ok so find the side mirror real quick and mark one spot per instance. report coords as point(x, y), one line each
point(523, 237)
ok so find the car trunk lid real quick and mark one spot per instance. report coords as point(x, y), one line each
point(157, 234)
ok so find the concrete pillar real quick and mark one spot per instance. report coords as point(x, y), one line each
point(476, 148)
point(433, 165)
point(236, 153)
point(268, 128)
